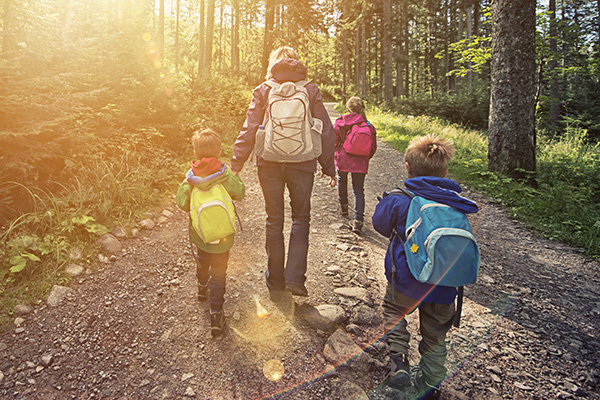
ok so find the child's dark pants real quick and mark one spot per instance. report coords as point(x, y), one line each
point(213, 266)
point(435, 321)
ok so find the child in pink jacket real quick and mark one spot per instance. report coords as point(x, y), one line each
point(357, 165)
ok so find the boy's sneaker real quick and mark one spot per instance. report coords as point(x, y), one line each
point(296, 290)
point(217, 322)
point(398, 376)
point(358, 225)
point(426, 390)
point(202, 292)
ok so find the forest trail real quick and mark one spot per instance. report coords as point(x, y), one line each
point(133, 328)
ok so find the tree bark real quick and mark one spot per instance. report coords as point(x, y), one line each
point(210, 29)
point(511, 135)
point(388, 70)
point(552, 69)
point(161, 28)
point(268, 39)
point(201, 38)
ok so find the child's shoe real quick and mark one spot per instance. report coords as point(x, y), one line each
point(426, 390)
point(358, 225)
point(344, 210)
point(202, 292)
point(217, 323)
point(398, 376)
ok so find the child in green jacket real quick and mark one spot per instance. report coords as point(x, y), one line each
point(211, 258)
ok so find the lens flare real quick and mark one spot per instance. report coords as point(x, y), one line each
point(147, 36)
point(273, 370)
point(261, 312)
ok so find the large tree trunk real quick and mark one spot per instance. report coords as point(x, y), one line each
point(388, 70)
point(511, 147)
point(235, 38)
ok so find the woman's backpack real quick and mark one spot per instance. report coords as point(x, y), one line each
point(289, 133)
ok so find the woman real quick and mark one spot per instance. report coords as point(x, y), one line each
point(298, 176)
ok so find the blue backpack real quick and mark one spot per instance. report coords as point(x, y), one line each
point(440, 247)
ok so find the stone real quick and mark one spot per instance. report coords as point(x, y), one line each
point(352, 292)
point(46, 360)
point(110, 244)
point(162, 220)
point(19, 321)
point(167, 213)
point(119, 231)
point(57, 295)
point(22, 309)
point(340, 347)
point(74, 270)
point(326, 317)
point(76, 254)
point(343, 389)
point(147, 224)
point(366, 316)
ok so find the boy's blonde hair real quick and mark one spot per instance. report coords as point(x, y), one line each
point(429, 156)
point(279, 54)
point(207, 144)
point(356, 105)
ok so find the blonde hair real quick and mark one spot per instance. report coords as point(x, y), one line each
point(279, 54)
point(207, 144)
point(429, 156)
point(356, 105)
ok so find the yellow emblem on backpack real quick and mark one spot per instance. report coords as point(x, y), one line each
point(414, 248)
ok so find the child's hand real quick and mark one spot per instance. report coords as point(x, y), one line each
point(332, 180)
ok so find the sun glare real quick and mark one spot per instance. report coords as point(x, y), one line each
point(273, 370)
point(261, 312)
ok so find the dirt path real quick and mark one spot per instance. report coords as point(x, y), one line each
point(133, 329)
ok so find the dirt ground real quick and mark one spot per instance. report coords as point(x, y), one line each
point(133, 328)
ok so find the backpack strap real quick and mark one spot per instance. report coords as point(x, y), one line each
point(459, 303)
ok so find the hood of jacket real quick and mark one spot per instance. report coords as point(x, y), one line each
point(350, 119)
point(442, 190)
point(215, 173)
point(288, 69)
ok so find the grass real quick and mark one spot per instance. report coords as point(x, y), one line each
point(565, 204)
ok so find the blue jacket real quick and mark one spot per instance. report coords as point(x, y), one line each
point(391, 213)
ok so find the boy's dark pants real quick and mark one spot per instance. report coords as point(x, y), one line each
point(435, 321)
point(213, 266)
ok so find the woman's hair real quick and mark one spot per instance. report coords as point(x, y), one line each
point(429, 156)
point(279, 54)
point(356, 105)
point(207, 144)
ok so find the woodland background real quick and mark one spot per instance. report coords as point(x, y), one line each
point(99, 97)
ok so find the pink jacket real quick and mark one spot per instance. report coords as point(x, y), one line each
point(347, 162)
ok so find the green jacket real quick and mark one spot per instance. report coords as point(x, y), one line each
point(231, 183)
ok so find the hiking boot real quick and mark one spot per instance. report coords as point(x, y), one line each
point(202, 292)
point(426, 391)
point(398, 376)
point(358, 225)
point(344, 210)
point(217, 323)
point(296, 290)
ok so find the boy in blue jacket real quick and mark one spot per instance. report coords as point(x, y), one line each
point(427, 161)
point(211, 258)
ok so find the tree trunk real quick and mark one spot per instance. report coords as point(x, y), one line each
point(210, 30)
point(177, 39)
point(552, 69)
point(6, 27)
point(161, 28)
point(388, 70)
point(235, 38)
point(511, 135)
point(201, 39)
point(268, 39)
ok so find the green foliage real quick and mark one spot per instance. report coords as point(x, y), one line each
point(471, 55)
point(564, 206)
point(470, 109)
